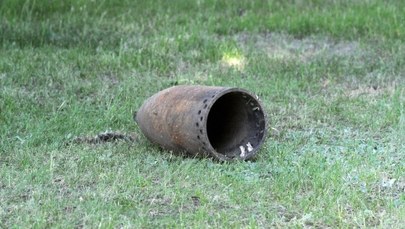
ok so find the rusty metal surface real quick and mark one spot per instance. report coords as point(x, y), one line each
point(224, 123)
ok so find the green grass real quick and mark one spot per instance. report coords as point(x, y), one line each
point(331, 75)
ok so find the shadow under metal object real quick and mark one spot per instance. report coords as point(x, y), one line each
point(220, 122)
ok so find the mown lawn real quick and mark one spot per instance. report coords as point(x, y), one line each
point(331, 75)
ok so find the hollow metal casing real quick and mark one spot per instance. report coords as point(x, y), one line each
point(220, 122)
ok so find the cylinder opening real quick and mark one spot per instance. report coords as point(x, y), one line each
point(236, 124)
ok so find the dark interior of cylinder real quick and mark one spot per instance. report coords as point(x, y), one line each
point(235, 124)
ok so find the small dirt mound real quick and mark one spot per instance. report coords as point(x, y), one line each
point(104, 137)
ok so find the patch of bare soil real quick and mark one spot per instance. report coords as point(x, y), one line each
point(370, 91)
point(389, 185)
point(110, 79)
point(283, 46)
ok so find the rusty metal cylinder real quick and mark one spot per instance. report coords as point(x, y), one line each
point(219, 122)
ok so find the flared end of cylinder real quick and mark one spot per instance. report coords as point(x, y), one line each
point(236, 125)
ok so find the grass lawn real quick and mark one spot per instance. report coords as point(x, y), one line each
point(331, 75)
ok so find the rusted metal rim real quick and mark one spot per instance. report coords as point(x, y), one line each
point(234, 126)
